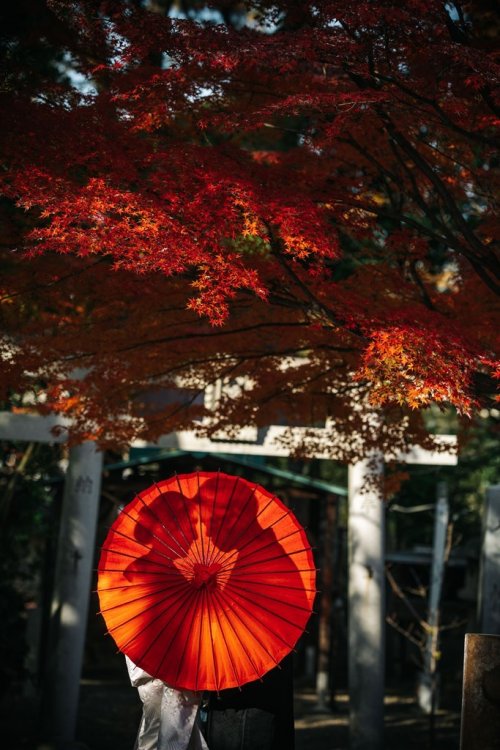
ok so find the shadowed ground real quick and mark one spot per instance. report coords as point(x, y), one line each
point(110, 715)
point(110, 710)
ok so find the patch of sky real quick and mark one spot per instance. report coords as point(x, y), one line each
point(317, 11)
point(203, 92)
point(83, 84)
point(168, 62)
point(307, 141)
point(117, 42)
point(452, 11)
point(268, 24)
point(77, 80)
point(124, 115)
point(203, 15)
point(66, 102)
point(238, 18)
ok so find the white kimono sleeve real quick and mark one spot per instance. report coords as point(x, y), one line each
point(168, 719)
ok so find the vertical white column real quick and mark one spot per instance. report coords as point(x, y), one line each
point(366, 540)
point(427, 689)
point(323, 687)
point(75, 556)
point(489, 599)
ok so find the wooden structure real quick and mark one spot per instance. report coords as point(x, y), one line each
point(480, 728)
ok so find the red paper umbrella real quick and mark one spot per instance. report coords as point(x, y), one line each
point(206, 581)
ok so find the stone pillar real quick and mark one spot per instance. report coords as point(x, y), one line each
point(489, 586)
point(427, 688)
point(329, 526)
point(72, 582)
point(366, 539)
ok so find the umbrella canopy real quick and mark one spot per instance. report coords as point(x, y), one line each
point(206, 581)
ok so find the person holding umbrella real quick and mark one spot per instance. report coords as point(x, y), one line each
point(257, 717)
point(169, 717)
point(206, 582)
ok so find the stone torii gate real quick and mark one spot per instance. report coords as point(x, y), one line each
point(73, 571)
point(366, 528)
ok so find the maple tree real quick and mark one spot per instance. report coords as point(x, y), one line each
point(295, 198)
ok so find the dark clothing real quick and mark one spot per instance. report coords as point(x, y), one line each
point(259, 716)
point(242, 729)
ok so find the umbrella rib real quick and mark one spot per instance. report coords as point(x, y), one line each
point(139, 598)
point(158, 520)
point(234, 541)
point(257, 548)
point(125, 586)
point(140, 572)
point(199, 512)
point(274, 585)
point(193, 612)
point(138, 522)
point(235, 523)
point(212, 516)
point(202, 591)
point(270, 611)
point(172, 515)
point(270, 559)
point(141, 631)
point(231, 586)
point(133, 557)
point(276, 572)
point(254, 635)
point(276, 633)
point(152, 549)
point(216, 671)
point(192, 546)
point(263, 529)
point(254, 537)
point(236, 679)
point(238, 637)
point(221, 523)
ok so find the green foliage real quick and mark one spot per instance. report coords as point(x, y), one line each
point(26, 511)
point(478, 467)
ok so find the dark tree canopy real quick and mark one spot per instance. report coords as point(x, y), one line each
point(297, 197)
